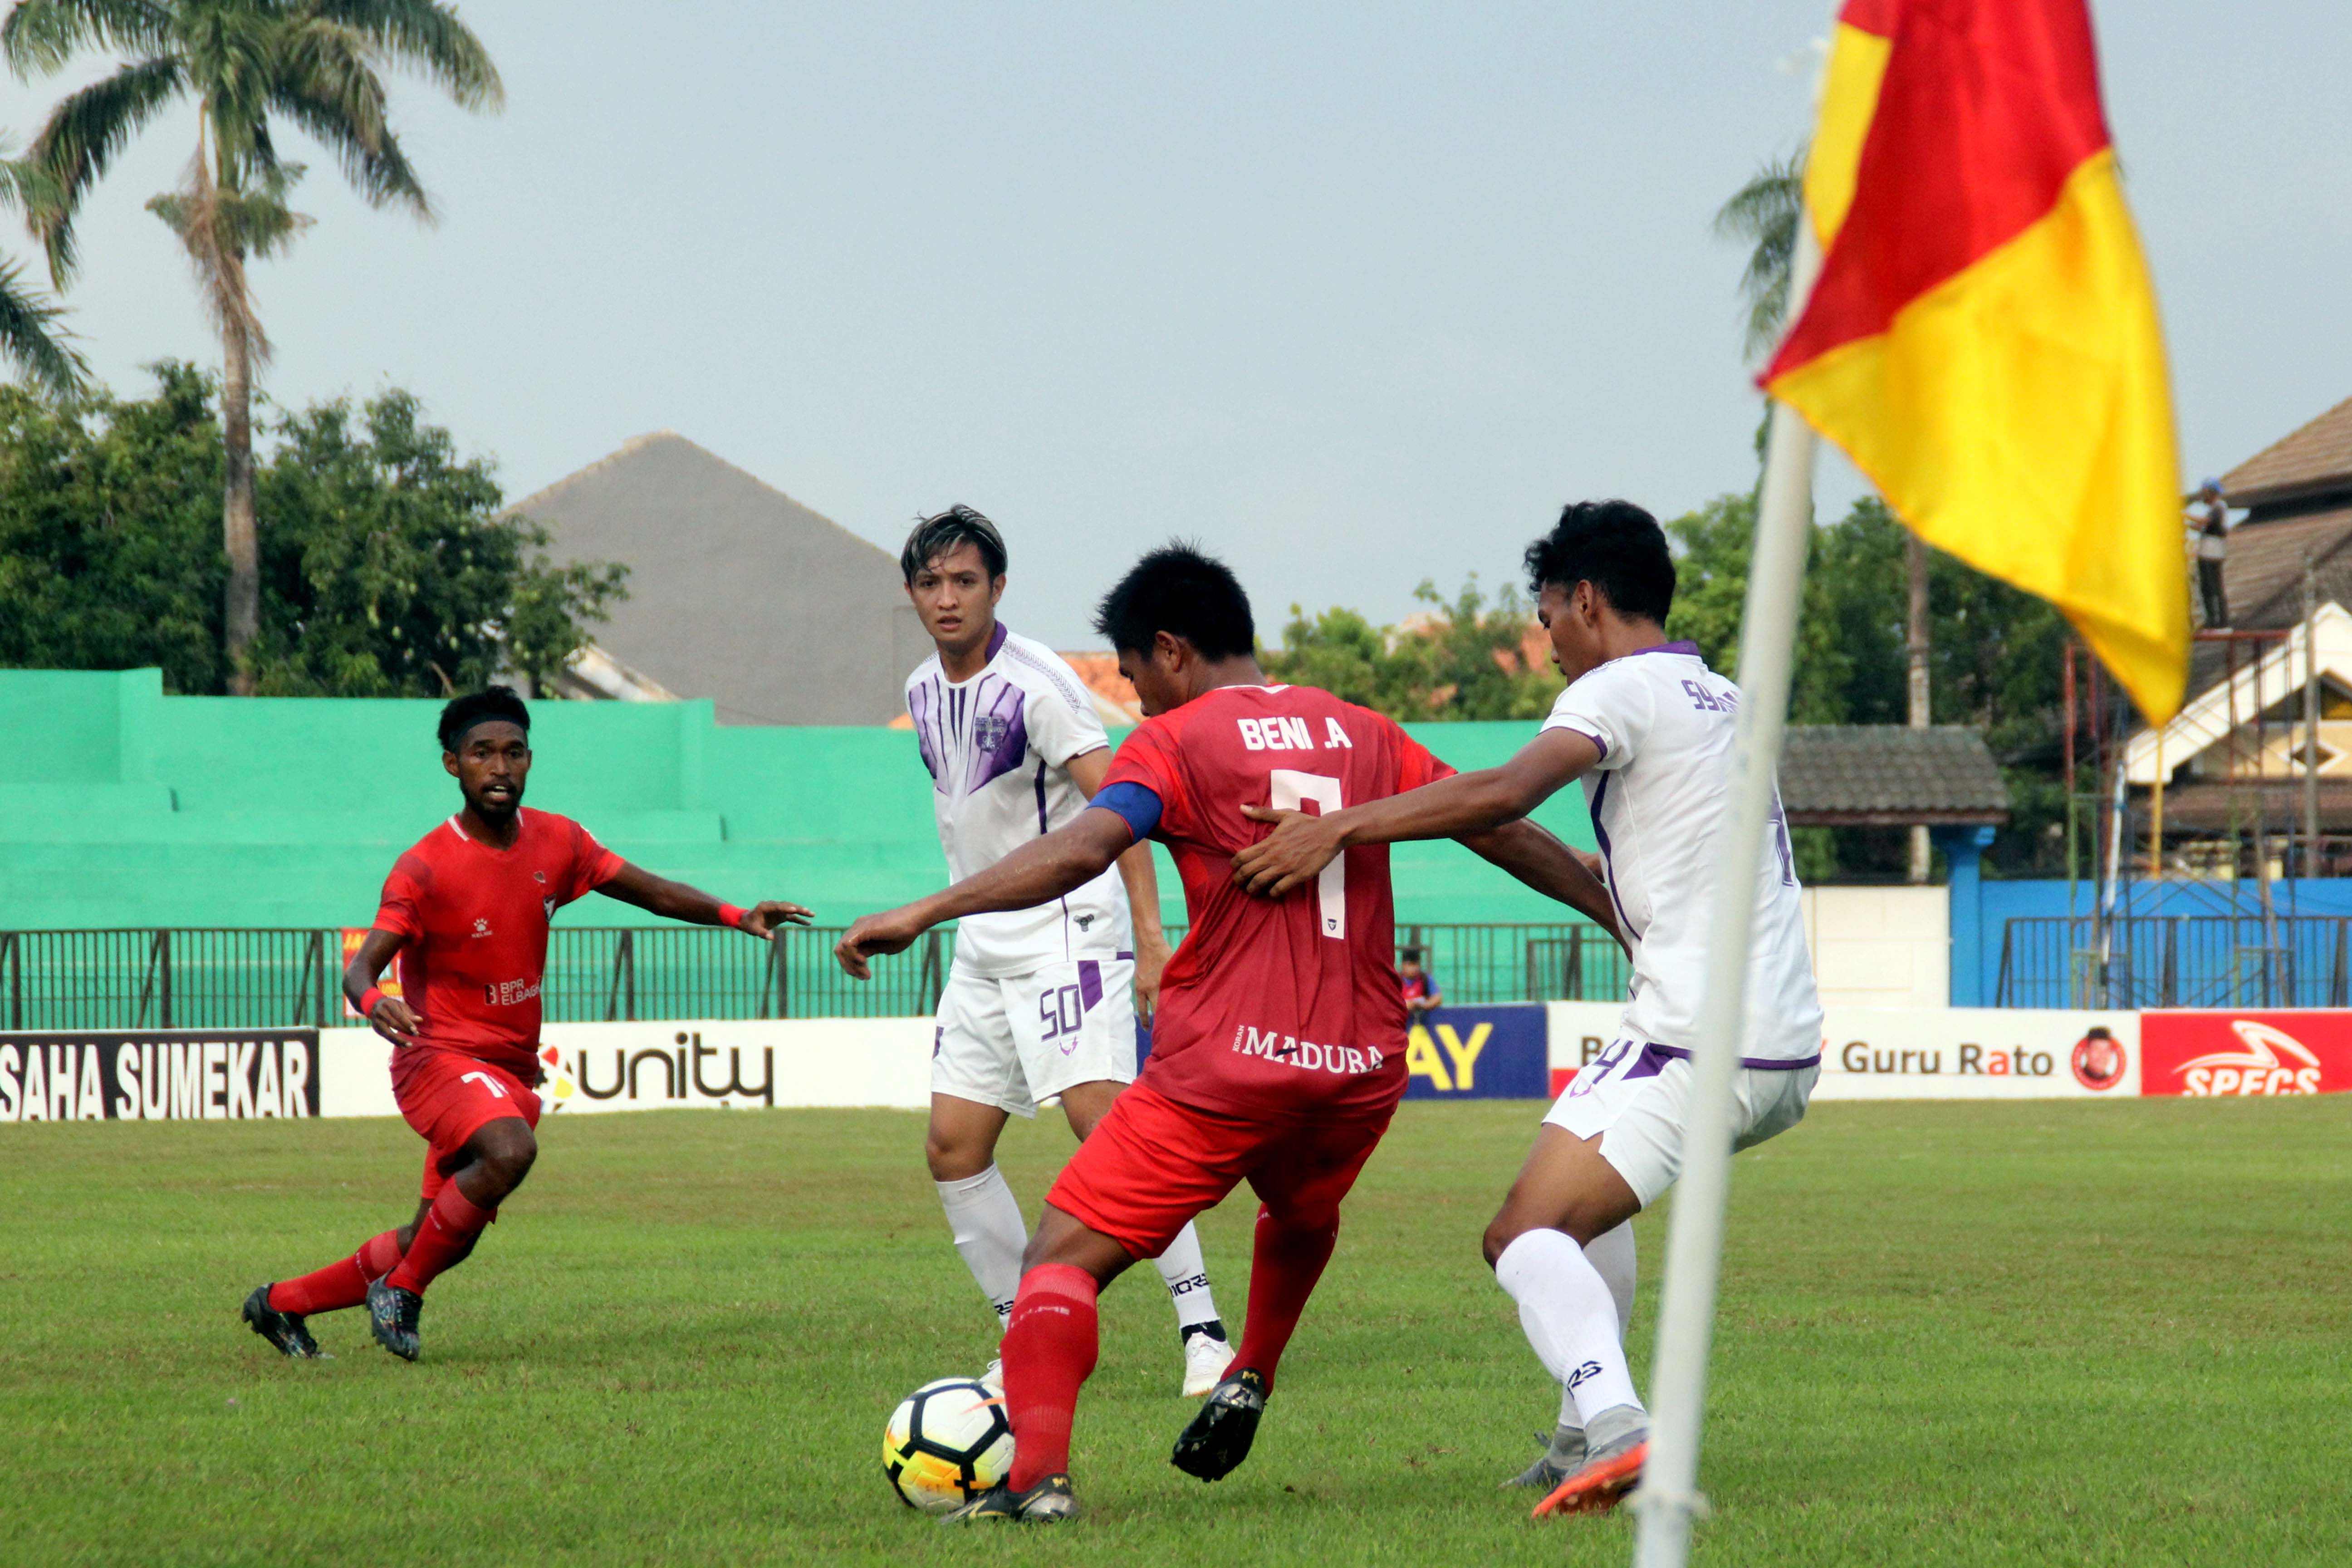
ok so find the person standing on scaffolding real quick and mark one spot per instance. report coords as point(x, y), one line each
point(2213, 550)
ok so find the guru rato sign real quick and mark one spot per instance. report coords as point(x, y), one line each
point(180, 1075)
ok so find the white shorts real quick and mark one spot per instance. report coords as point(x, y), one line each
point(1636, 1096)
point(1013, 1040)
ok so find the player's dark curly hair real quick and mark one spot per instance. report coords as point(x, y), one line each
point(936, 535)
point(1615, 546)
point(491, 704)
point(1183, 591)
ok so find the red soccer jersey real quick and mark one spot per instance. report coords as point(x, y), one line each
point(475, 921)
point(1287, 1006)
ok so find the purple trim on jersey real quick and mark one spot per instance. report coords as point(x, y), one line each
point(923, 705)
point(996, 639)
point(1000, 738)
point(1600, 744)
point(1600, 836)
point(1133, 804)
point(1127, 957)
point(1688, 647)
point(1761, 1064)
point(1089, 985)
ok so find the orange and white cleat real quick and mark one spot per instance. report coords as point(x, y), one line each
point(1600, 1486)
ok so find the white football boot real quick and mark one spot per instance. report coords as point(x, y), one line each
point(1206, 1357)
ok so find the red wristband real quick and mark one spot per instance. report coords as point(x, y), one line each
point(729, 915)
point(368, 1000)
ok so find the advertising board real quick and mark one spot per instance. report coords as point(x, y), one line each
point(1479, 1053)
point(173, 1075)
point(2208, 1052)
point(1927, 1053)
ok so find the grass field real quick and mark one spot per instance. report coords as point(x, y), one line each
point(2105, 1333)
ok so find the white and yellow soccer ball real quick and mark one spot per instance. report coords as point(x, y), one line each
point(947, 1443)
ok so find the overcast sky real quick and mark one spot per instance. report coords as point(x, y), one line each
point(1358, 294)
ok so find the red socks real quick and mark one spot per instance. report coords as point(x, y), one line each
point(444, 1237)
point(1050, 1346)
point(337, 1285)
point(1284, 1267)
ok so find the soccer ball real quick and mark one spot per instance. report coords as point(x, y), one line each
point(946, 1444)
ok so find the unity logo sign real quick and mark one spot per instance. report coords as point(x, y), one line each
point(2215, 1053)
point(679, 1070)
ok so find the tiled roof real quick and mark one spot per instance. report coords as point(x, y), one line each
point(1838, 775)
point(2313, 459)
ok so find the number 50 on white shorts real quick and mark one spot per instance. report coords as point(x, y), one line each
point(1013, 1040)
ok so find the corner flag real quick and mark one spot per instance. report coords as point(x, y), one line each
point(1983, 339)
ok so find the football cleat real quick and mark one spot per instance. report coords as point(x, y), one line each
point(992, 1379)
point(392, 1317)
point(1600, 1486)
point(1207, 1354)
point(1563, 1456)
point(285, 1329)
point(1218, 1439)
point(1050, 1502)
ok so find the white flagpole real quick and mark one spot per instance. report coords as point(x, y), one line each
point(1669, 1498)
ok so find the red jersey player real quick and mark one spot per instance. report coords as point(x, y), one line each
point(1278, 1049)
point(467, 910)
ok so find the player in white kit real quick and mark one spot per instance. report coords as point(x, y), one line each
point(1040, 1002)
point(1648, 728)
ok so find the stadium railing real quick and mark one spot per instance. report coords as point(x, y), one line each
point(2175, 960)
point(223, 978)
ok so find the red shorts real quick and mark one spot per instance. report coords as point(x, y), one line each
point(448, 1098)
point(1153, 1163)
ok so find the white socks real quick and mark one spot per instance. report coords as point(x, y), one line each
point(989, 1232)
point(1187, 1279)
point(1611, 1254)
point(1570, 1316)
point(986, 1221)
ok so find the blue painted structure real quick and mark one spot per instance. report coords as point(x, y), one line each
point(1982, 910)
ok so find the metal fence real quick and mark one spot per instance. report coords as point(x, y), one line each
point(2175, 960)
point(217, 978)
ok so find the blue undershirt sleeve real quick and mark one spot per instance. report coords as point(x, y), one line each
point(1134, 804)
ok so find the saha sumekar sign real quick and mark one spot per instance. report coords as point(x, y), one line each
point(161, 1076)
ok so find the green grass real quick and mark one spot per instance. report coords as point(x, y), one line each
point(1951, 1334)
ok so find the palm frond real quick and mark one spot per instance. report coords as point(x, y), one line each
point(428, 39)
point(206, 218)
point(85, 132)
point(331, 91)
point(39, 36)
point(31, 336)
point(1764, 213)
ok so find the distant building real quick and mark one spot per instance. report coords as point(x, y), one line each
point(2235, 757)
point(737, 592)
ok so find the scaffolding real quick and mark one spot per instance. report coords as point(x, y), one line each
point(2248, 876)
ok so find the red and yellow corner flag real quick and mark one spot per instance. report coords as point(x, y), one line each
point(1983, 340)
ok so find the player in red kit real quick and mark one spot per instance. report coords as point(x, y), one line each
point(466, 912)
point(1278, 1049)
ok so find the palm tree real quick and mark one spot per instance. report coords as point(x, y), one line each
point(1764, 213)
point(250, 66)
point(30, 332)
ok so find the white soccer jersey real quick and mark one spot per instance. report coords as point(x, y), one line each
point(999, 747)
point(1659, 798)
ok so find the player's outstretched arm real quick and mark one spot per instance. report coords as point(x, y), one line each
point(387, 1015)
point(1143, 881)
point(678, 901)
point(1467, 803)
point(1038, 872)
point(1535, 856)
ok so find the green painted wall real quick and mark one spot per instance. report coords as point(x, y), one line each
point(122, 807)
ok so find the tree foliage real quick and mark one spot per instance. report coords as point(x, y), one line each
point(1462, 658)
point(387, 572)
